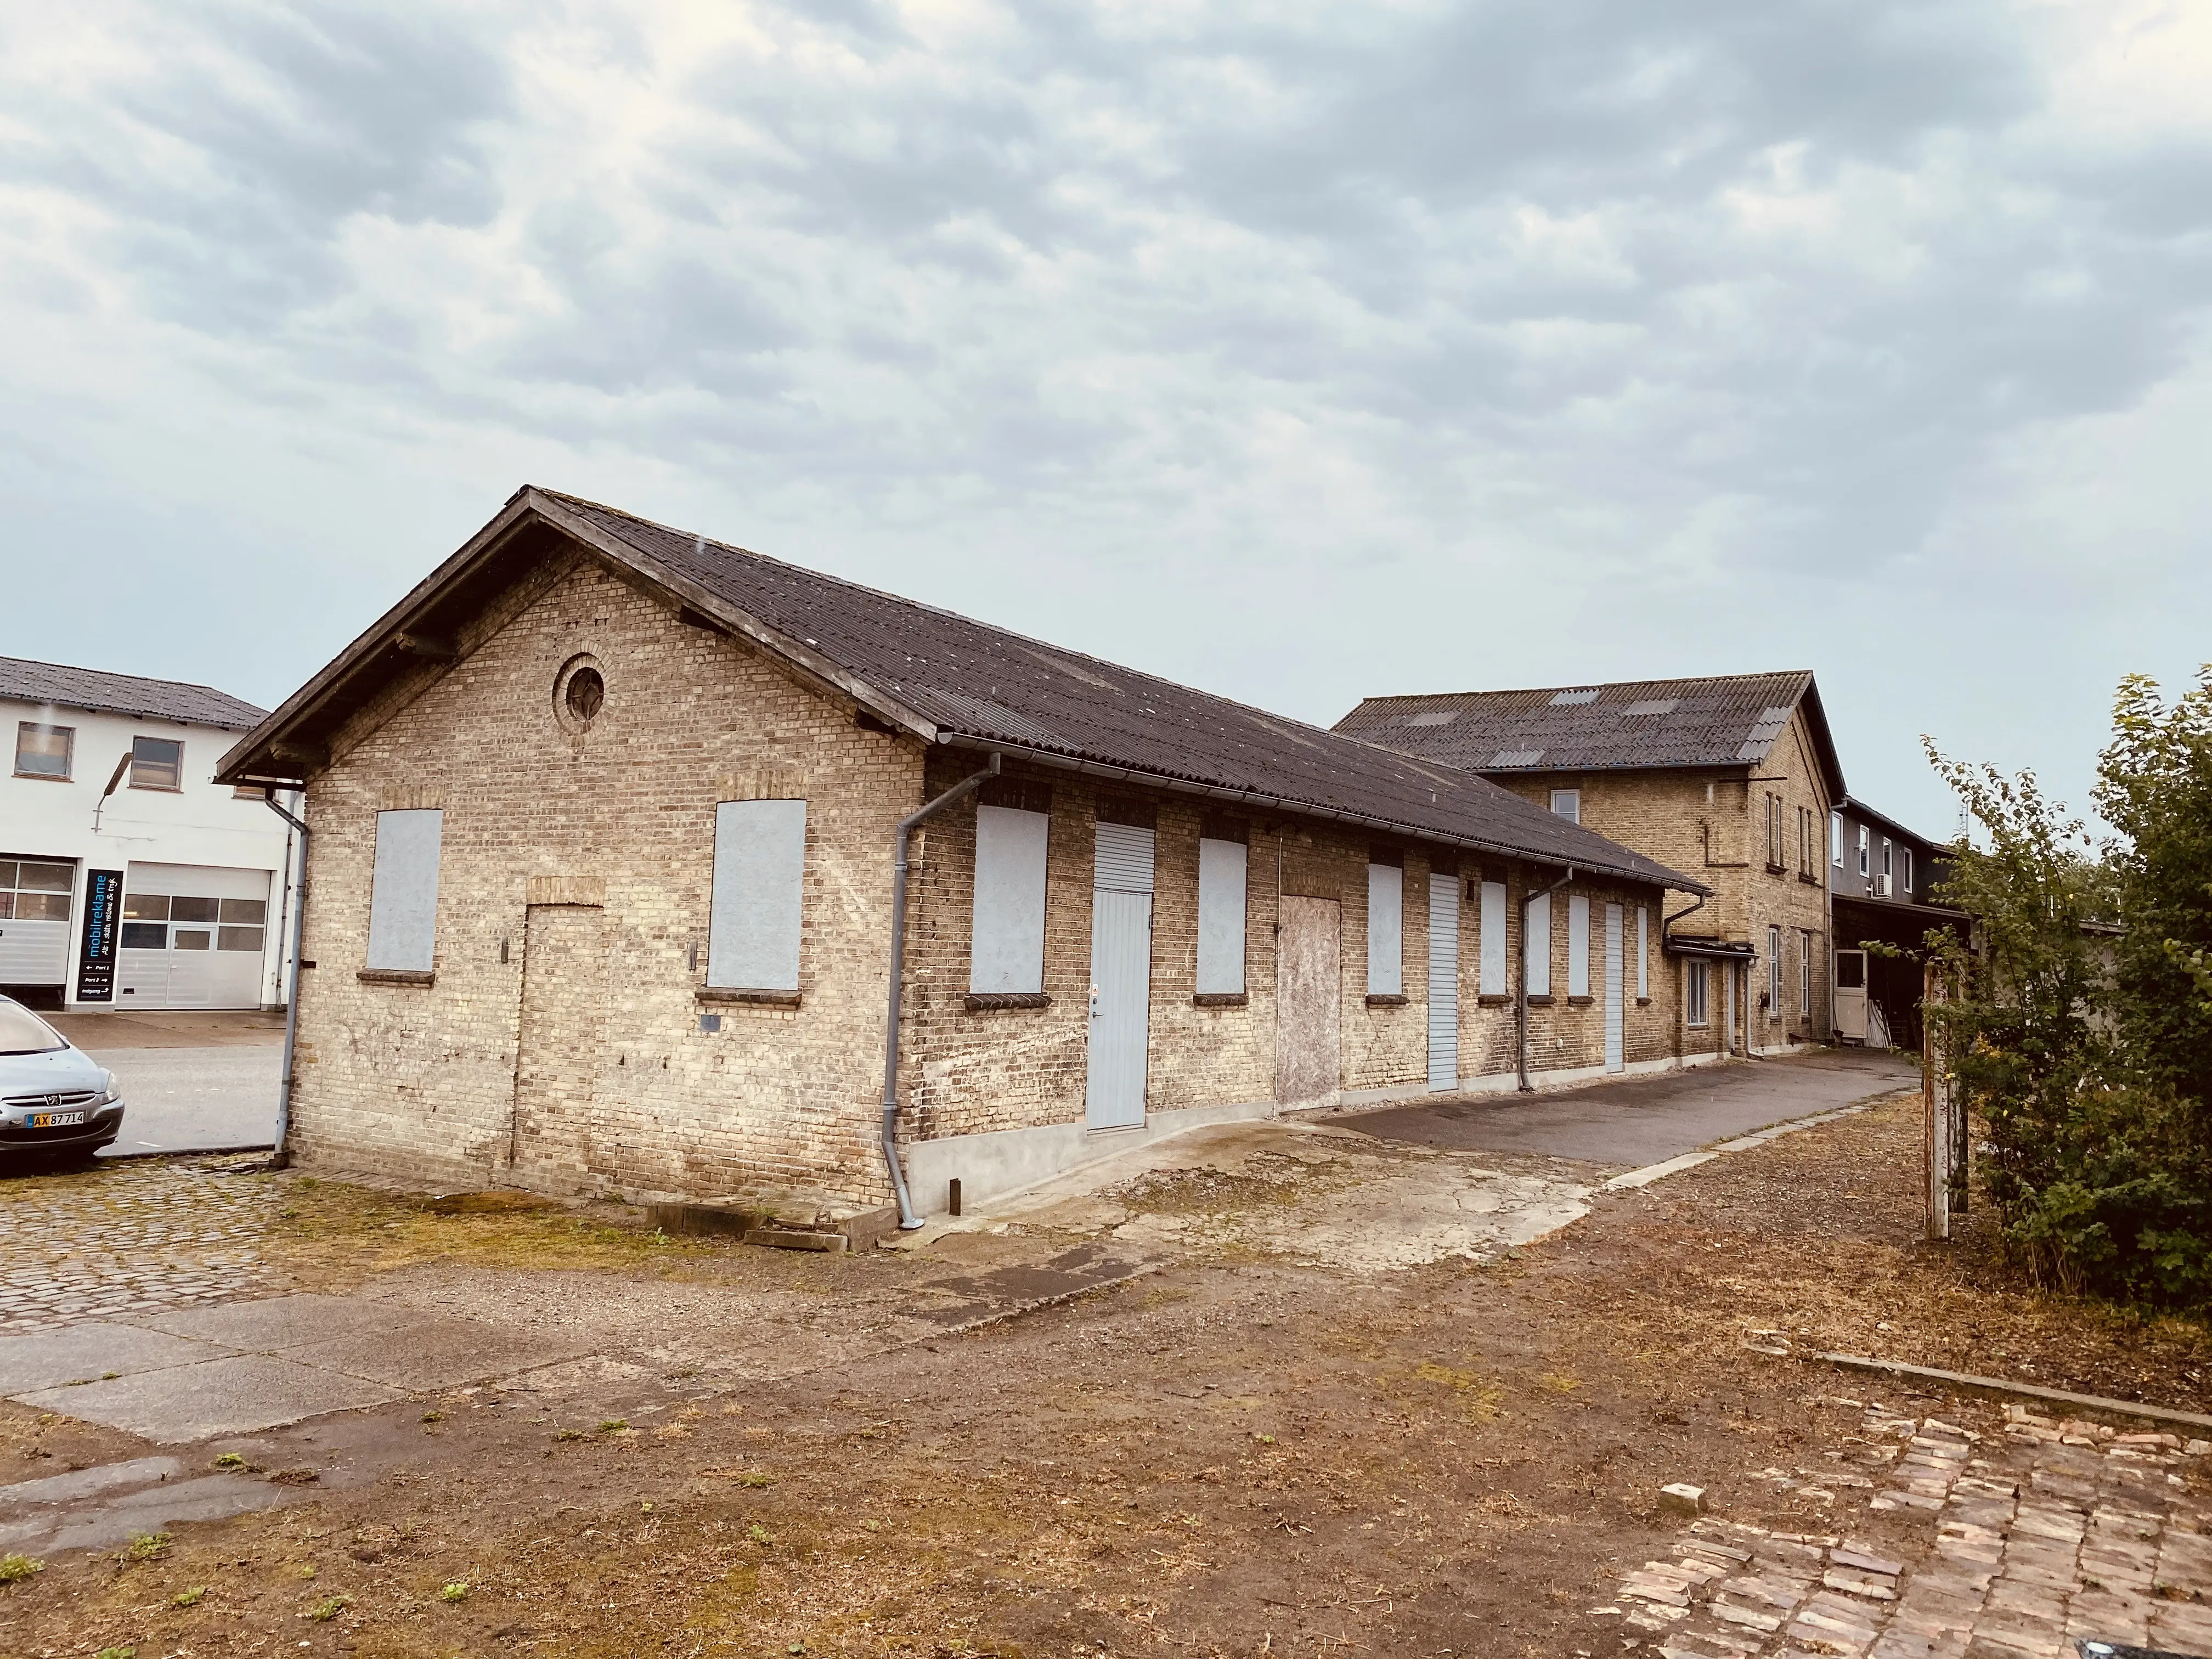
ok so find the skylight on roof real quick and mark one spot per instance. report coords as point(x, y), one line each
point(1566, 699)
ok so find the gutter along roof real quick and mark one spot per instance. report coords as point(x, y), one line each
point(948, 679)
point(1716, 721)
point(97, 692)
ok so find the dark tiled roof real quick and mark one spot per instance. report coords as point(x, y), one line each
point(1729, 720)
point(988, 684)
point(124, 694)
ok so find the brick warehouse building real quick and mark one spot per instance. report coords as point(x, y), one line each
point(1732, 776)
point(601, 891)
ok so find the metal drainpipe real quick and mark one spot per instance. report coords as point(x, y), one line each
point(1520, 1001)
point(907, 1219)
point(292, 991)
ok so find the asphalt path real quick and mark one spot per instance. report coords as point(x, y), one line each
point(1644, 1120)
point(195, 1100)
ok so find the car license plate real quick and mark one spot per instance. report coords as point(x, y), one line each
point(55, 1119)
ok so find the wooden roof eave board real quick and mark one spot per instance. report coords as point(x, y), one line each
point(1658, 876)
point(528, 507)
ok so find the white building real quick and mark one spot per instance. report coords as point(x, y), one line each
point(128, 880)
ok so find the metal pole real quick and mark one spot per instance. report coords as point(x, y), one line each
point(292, 991)
point(907, 1219)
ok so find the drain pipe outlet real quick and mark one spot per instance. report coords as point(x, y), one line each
point(907, 1219)
point(1520, 1001)
point(292, 989)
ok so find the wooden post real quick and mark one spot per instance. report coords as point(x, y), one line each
point(1937, 1134)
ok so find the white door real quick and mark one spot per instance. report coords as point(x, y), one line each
point(1615, 1060)
point(1120, 977)
point(1444, 983)
point(1850, 983)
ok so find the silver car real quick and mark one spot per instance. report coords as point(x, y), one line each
point(57, 1102)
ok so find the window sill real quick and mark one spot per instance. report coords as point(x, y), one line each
point(158, 788)
point(46, 777)
point(1778, 869)
point(395, 975)
point(1540, 1000)
point(1643, 1002)
point(1809, 880)
point(1492, 999)
point(1220, 1000)
point(1580, 1001)
point(984, 1001)
point(734, 994)
point(1386, 999)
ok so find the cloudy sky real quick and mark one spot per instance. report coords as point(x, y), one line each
point(1295, 351)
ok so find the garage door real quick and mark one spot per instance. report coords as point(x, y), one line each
point(193, 936)
point(34, 920)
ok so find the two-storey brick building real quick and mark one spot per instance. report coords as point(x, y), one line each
point(1882, 879)
point(606, 892)
point(1732, 778)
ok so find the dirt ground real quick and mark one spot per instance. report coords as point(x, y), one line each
point(1233, 1455)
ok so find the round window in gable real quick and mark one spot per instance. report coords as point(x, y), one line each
point(579, 693)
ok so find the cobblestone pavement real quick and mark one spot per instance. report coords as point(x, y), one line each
point(2059, 1530)
point(133, 1238)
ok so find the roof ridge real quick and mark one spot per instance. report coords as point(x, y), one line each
point(1802, 674)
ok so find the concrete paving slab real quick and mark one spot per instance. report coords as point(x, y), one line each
point(271, 1322)
point(79, 1353)
point(103, 1525)
point(79, 1484)
point(435, 1351)
point(217, 1396)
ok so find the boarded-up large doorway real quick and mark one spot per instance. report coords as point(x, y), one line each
point(1309, 1002)
point(564, 991)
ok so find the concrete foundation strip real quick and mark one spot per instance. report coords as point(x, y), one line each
point(2002, 1389)
point(1652, 1172)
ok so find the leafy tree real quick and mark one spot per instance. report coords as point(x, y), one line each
point(2080, 1023)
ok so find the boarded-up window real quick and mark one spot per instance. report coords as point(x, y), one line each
point(760, 873)
point(402, 904)
point(1007, 938)
point(1493, 939)
point(1221, 878)
point(1386, 930)
point(1643, 953)
point(1536, 948)
point(1578, 946)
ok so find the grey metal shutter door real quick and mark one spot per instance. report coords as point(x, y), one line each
point(1120, 977)
point(1615, 973)
point(1386, 931)
point(1124, 859)
point(1536, 948)
point(1493, 981)
point(403, 905)
point(1221, 876)
point(1007, 939)
point(1443, 983)
point(760, 878)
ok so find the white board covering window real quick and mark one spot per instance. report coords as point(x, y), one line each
point(1493, 939)
point(760, 876)
point(403, 902)
point(1006, 951)
point(1578, 946)
point(1386, 931)
point(1221, 879)
point(1536, 948)
point(1642, 954)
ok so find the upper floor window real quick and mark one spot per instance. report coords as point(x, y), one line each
point(1568, 804)
point(44, 752)
point(1865, 842)
point(1773, 832)
point(157, 764)
point(1905, 884)
point(1836, 839)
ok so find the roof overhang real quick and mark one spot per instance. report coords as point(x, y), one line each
point(293, 742)
point(1716, 950)
point(1660, 877)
